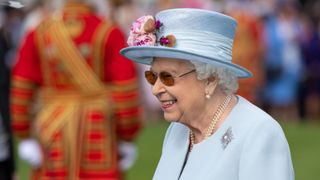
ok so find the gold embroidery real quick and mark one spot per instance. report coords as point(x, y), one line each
point(74, 26)
point(100, 37)
point(20, 82)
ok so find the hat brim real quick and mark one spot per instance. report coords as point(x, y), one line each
point(145, 55)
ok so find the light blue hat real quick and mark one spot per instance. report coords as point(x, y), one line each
point(199, 35)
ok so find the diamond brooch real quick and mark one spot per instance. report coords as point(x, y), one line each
point(226, 138)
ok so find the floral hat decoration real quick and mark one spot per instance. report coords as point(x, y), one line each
point(186, 34)
point(143, 33)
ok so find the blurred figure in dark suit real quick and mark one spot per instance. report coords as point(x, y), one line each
point(6, 156)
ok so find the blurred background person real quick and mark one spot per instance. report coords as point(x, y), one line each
point(283, 61)
point(35, 11)
point(309, 96)
point(88, 111)
point(11, 31)
point(247, 48)
point(6, 151)
point(10, 24)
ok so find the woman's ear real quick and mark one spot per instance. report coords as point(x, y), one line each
point(210, 86)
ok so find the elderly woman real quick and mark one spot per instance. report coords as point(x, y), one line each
point(214, 134)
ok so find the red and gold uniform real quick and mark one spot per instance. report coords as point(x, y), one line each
point(86, 91)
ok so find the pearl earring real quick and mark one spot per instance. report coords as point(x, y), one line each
point(208, 96)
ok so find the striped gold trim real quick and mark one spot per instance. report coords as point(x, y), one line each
point(18, 118)
point(76, 7)
point(20, 101)
point(126, 105)
point(108, 127)
point(23, 83)
point(128, 122)
point(22, 135)
point(84, 77)
point(42, 38)
point(124, 82)
point(125, 87)
point(100, 37)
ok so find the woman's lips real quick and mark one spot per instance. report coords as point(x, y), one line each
point(167, 104)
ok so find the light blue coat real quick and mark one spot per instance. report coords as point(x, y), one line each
point(249, 145)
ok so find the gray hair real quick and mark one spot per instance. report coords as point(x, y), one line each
point(228, 81)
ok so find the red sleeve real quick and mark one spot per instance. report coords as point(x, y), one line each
point(27, 60)
point(122, 75)
point(117, 66)
point(26, 76)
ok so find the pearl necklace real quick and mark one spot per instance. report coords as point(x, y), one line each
point(222, 107)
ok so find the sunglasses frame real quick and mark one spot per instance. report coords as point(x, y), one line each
point(163, 75)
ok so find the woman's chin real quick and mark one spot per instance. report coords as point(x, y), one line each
point(170, 118)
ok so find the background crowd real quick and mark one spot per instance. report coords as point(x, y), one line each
point(277, 40)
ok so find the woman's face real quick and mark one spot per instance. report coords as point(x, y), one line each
point(184, 99)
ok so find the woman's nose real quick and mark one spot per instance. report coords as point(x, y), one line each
point(158, 87)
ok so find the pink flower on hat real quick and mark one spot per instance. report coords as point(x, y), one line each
point(147, 39)
point(140, 25)
point(142, 31)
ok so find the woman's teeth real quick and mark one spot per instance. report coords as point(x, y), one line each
point(167, 103)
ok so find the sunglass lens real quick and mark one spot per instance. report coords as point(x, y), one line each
point(167, 79)
point(151, 77)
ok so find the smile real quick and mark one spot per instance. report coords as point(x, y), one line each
point(167, 104)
